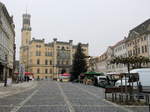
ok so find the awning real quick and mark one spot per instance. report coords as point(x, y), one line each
point(65, 74)
point(93, 73)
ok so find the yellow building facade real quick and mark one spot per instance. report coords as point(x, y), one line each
point(46, 60)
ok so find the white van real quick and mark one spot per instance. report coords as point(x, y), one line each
point(144, 77)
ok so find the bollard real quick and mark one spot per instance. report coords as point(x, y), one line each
point(149, 107)
point(112, 96)
point(119, 98)
point(148, 103)
point(126, 98)
point(146, 100)
point(105, 95)
point(115, 97)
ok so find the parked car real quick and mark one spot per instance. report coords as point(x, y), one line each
point(100, 81)
point(118, 83)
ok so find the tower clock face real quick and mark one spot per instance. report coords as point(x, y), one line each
point(26, 21)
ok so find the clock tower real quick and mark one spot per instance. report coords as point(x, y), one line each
point(26, 30)
point(25, 40)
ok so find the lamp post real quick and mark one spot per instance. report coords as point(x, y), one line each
point(5, 80)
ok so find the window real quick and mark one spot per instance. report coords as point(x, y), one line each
point(38, 53)
point(38, 71)
point(63, 48)
point(142, 49)
point(46, 71)
point(58, 62)
point(67, 62)
point(133, 52)
point(141, 39)
point(38, 46)
point(50, 71)
point(46, 62)
point(45, 53)
point(57, 54)
point(50, 62)
point(62, 62)
point(38, 61)
point(49, 53)
point(138, 50)
point(145, 48)
point(144, 37)
point(133, 43)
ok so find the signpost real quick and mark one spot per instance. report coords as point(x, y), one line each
point(21, 72)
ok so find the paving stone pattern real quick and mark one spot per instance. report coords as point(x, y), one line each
point(51, 96)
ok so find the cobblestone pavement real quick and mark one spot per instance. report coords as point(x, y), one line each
point(50, 96)
point(16, 88)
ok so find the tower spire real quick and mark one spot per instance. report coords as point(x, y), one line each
point(26, 8)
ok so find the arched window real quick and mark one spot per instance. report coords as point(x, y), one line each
point(38, 61)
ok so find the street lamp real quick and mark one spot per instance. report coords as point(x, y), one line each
point(5, 80)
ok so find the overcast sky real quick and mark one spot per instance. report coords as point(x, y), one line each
point(100, 23)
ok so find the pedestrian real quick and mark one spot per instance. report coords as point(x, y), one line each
point(140, 88)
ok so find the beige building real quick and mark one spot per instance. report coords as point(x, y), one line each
point(7, 43)
point(45, 60)
point(136, 44)
point(138, 40)
point(119, 50)
point(101, 63)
